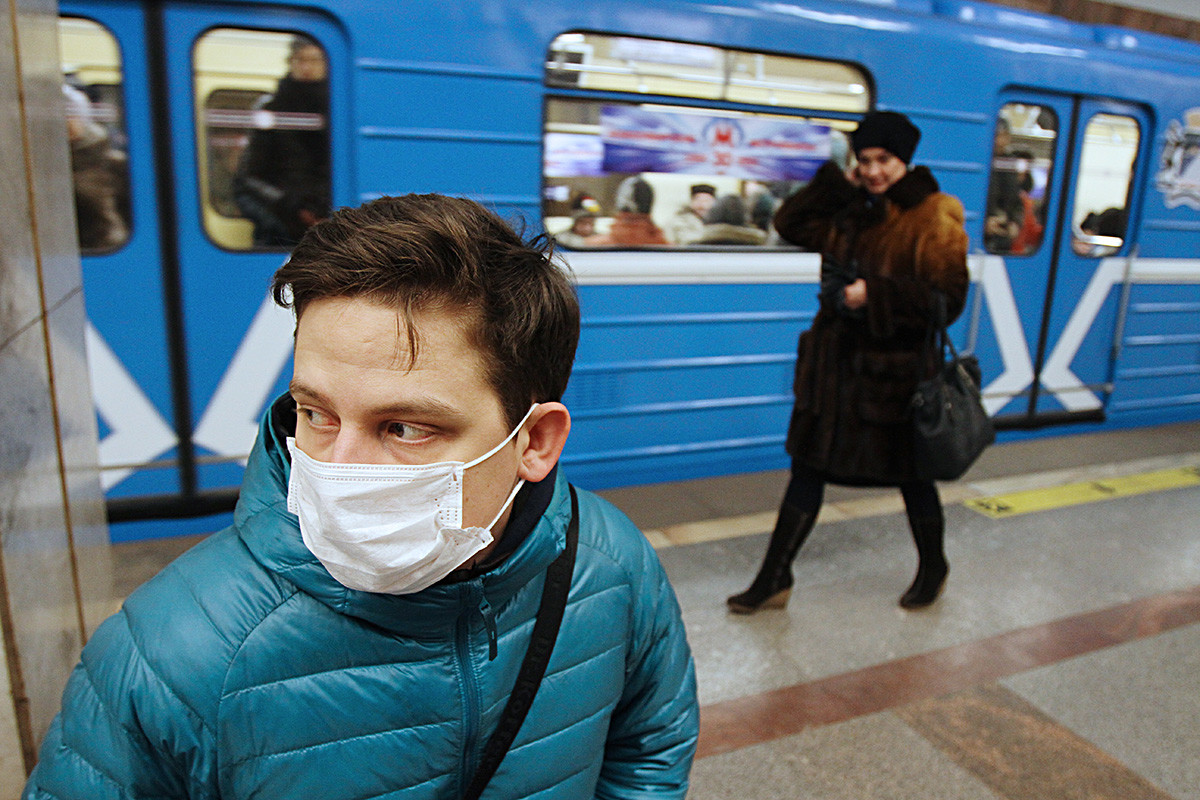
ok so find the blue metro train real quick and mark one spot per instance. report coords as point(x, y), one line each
point(1074, 148)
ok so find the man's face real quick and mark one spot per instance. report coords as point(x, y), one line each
point(358, 402)
point(1002, 141)
point(308, 64)
point(702, 202)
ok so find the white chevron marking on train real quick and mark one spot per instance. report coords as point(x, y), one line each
point(1010, 335)
point(138, 433)
point(230, 421)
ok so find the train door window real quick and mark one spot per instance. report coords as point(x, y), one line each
point(95, 119)
point(263, 136)
point(629, 171)
point(1106, 162)
point(1023, 147)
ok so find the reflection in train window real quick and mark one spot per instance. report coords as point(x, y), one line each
point(263, 139)
point(92, 94)
point(620, 174)
point(1022, 162)
point(1110, 146)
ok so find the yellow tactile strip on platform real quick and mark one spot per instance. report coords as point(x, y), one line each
point(1072, 494)
point(995, 497)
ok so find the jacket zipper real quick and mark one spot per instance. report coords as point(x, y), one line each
point(489, 625)
point(470, 689)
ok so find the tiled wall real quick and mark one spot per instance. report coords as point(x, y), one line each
point(55, 573)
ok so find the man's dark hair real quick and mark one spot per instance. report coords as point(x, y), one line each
point(428, 252)
point(299, 42)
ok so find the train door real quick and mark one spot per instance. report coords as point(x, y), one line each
point(226, 174)
point(1058, 213)
point(106, 88)
point(252, 95)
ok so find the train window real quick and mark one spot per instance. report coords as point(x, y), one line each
point(647, 174)
point(1110, 146)
point(263, 145)
point(92, 93)
point(1022, 162)
point(677, 69)
point(625, 174)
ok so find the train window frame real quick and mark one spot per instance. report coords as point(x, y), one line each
point(95, 112)
point(600, 94)
point(238, 232)
point(1035, 159)
point(645, 61)
point(1101, 231)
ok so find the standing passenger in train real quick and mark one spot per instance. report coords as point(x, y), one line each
point(633, 224)
point(1005, 211)
point(583, 228)
point(893, 249)
point(360, 628)
point(1029, 237)
point(688, 223)
point(282, 183)
point(728, 222)
point(99, 172)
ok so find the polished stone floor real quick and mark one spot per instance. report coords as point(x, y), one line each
point(1063, 660)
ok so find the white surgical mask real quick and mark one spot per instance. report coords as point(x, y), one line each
point(387, 528)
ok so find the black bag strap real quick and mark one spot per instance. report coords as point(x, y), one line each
point(533, 668)
point(939, 336)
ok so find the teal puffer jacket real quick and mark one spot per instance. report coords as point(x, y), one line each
point(243, 670)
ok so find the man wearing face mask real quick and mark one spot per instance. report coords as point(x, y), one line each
point(365, 627)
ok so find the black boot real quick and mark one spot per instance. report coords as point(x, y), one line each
point(932, 568)
point(773, 584)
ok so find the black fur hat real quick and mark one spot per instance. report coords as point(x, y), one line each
point(890, 130)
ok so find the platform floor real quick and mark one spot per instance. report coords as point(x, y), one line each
point(1063, 660)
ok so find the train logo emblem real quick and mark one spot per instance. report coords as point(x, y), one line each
point(723, 137)
point(1179, 175)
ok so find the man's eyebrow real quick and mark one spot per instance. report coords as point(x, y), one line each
point(295, 387)
point(420, 407)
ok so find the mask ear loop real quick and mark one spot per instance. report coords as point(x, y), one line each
point(512, 496)
point(507, 439)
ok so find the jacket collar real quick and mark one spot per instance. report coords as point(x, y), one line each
point(272, 535)
point(914, 187)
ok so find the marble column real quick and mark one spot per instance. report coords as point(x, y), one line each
point(55, 568)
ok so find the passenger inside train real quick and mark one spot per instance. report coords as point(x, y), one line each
point(634, 223)
point(100, 173)
point(282, 182)
point(688, 223)
point(728, 222)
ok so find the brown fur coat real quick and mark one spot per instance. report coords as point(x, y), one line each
point(857, 370)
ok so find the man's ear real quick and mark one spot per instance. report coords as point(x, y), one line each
point(547, 430)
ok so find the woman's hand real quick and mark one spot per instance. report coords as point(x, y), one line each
point(855, 294)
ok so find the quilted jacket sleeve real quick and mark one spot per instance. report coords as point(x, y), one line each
point(655, 726)
point(118, 735)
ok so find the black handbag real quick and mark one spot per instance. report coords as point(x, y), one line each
point(950, 425)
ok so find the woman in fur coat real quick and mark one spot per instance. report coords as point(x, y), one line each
point(893, 249)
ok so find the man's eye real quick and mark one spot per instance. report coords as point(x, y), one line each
point(408, 433)
point(315, 418)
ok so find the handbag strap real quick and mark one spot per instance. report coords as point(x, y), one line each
point(939, 336)
point(537, 656)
